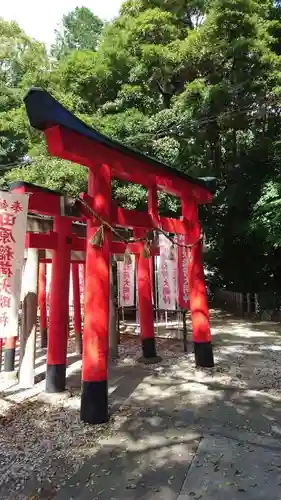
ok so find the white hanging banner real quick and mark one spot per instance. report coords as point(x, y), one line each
point(70, 297)
point(167, 276)
point(48, 281)
point(13, 222)
point(126, 283)
point(175, 277)
point(81, 282)
point(183, 293)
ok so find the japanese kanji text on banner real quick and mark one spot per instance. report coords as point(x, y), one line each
point(167, 276)
point(82, 283)
point(13, 221)
point(183, 273)
point(126, 283)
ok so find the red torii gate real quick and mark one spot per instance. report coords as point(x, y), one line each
point(69, 138)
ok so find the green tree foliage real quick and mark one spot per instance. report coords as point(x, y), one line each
point(52, 173)
point(23, 62)
point(80, 29)
point(194, 83)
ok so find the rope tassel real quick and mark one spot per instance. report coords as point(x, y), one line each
point(127, 257)
point(98, 238)
point(172, 252)
point(146, 250)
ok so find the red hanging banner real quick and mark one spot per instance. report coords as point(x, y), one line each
point(182, 273)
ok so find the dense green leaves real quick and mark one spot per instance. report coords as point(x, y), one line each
point(196, 84)
point(23, 62)
point(52, 173)
point(266, 216)
point(79, 30)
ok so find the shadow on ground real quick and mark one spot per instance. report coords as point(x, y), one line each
point(160, 413)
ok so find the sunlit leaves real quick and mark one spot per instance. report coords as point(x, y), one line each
point(53, 173)
point(266, 216)
point(80, 29)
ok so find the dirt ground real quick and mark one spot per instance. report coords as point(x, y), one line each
point(43, 443)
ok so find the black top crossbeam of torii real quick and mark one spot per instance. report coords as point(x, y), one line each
point(45, 112)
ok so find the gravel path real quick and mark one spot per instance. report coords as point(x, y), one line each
point(42, 441)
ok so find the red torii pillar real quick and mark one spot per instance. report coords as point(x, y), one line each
point(145, 306)
point(154, 214)
point(94, 397)
point(201, 332)
point(76, 307)
point(42, 300)
point(59, 304)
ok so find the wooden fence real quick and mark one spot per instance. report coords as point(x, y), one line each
point(265, 305)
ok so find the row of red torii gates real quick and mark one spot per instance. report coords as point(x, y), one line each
point(69, 138)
